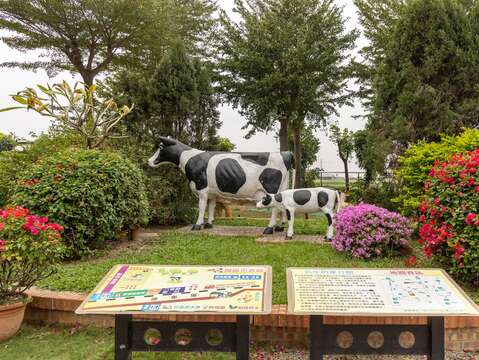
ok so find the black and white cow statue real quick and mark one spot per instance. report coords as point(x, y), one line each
point(227, 175)
point(304, 201)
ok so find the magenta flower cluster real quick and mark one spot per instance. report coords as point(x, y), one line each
point(368, 231)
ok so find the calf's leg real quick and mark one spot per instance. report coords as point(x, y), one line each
point(290, 233)
point(280, 227)
point(330, 216)
point(203, 201)
point(270, 229)
point(211, 213)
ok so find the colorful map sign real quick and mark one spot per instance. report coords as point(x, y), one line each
point(181, 289)
point(393, 292)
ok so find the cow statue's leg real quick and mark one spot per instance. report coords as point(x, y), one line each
point(280, 227)
point(272, 222)
point(330, 216)
point(211, 213)
point(203, 201)
point(290, 233)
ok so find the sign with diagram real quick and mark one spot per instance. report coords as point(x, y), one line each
point(181, 289)
point(394, 292)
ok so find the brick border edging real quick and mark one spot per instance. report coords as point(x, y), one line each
point(53, 307)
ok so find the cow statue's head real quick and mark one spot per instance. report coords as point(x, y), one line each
point(269, 201)
point(169, 152)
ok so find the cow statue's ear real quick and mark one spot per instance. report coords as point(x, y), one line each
point(167, 141)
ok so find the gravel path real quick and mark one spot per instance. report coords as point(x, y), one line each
point(288, 354)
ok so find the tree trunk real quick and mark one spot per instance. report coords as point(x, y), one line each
point(283, 134)
point(297, 154)
point(88, 78)
point(346, 172)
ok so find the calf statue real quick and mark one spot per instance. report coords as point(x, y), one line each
point(305, 201)
point(227, 175)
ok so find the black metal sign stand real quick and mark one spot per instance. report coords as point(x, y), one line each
point(130, 336)
point(388, 339)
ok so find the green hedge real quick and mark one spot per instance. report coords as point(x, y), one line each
point(417, 161)
point(92, 194)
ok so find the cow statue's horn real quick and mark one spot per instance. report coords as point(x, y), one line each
point(167, 141)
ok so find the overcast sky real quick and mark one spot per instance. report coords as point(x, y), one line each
point(22, 123)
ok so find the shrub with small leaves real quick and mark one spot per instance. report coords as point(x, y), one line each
point(368, 231)
point(30, 246)
point(93, 194)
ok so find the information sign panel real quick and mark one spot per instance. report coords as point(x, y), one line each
point(376, 292)
point(130, 289)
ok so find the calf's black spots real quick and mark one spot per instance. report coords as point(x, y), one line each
point(288, 214)
point(195, 169)
point(271, 180)
point(288, 159)
point(323, 198)
point(278, 197)
point(260, 158)
point(230, 177)
point(301, 197)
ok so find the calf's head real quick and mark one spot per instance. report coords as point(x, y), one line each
point(269, 201)
point(169, 152)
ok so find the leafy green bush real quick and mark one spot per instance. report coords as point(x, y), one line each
point(378, 192)
point(12, 163)
point(171, 199)
point(416, 162)
point(92, 194)
point(7, 142)
point(449, 218)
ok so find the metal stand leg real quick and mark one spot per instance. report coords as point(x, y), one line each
point(316, 334)
point(123, 337)
point(242, 337)
point(436, 328)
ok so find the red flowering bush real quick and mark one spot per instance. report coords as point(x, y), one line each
point(449, 231)
point(29, 247)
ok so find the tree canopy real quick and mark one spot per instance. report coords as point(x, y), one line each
point(88, 36)
point(285, 61)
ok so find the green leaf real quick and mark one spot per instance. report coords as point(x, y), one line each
point(11, 108)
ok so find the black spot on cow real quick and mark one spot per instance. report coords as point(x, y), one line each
point(278, 197)
point(171, 152)
point(330, 220)
point(259, 158)
point(195, 169)
point(301, 197)
point(288, 159)
point(323, 198)
point(230, 177)
point(271, 180)
point(266, 200)
point(288, 214)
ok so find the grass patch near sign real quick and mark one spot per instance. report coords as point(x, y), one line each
point(61, 343)
point(174, 248)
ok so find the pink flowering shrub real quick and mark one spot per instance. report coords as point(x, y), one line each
point(449, 220)
point(368, 231)
point(29, 247)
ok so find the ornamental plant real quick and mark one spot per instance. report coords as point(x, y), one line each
point(449, 220)
point(30, 246)
point(368, 231)
point(93, 194)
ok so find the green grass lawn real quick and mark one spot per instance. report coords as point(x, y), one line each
point(315, 225)
point(59, 343)
point(202, 249)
